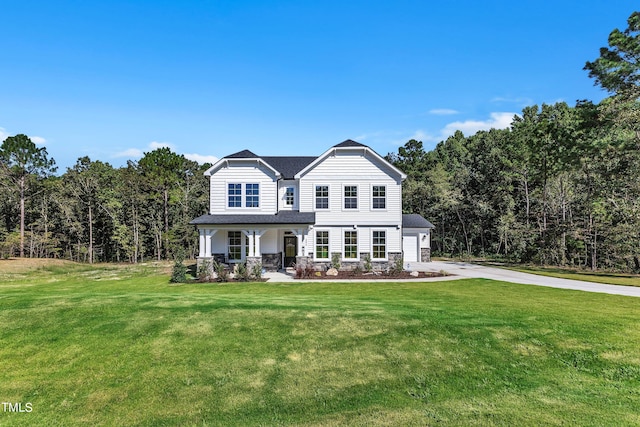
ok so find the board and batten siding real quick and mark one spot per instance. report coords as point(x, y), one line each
point(243, 173)
point(352, 168)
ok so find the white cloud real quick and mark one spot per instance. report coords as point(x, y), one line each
point(201, 159)
point(470, 127)
point(38, 140)
point(443, 112)
point(131, 153)
point(3, 134)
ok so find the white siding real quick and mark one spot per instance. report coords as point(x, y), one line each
point(352, 168)
point(282, 190)
point(249, 172)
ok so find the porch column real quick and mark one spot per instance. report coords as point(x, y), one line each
point(207, 241)
point(202, 244)
point(249, 234)
point(258, 235)
point(299, 235)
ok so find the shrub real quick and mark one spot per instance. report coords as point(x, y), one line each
point(241, 272)
point(256, 271)
point(179, 272)
point(397, 267)
point(221, 271)
point(335, 260)
point(367, 263)
point(204, 270)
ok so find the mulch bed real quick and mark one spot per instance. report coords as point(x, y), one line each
point(350, 275)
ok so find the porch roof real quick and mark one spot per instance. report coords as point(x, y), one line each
point(282, 217)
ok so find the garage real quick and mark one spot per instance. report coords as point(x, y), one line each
point(410, 247)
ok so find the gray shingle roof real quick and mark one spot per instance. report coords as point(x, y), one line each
point(349, 143)
point(288, 166)
point(282, 217)
point(244, 154)
point(415, 221)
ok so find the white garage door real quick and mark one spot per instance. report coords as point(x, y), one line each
point(410, 248)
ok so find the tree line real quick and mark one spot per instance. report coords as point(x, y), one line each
point(95, 212)
point(561, 186)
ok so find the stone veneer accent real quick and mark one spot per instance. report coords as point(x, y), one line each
point(272, 262)
point(425, 255)
point(252, 261)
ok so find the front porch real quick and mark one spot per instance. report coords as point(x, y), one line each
point(273, 248)
point(274, 241)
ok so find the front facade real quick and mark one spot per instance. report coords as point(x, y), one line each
point(344, 206)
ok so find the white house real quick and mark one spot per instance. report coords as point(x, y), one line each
point(277, 211)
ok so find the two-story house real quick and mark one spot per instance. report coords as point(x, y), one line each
point(277, 211)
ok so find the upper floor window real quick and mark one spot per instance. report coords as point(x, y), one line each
point(235, 195)
point(289, 196)
point(350, 197)
point(322, 197)
point(379, 193)
point(252, 195)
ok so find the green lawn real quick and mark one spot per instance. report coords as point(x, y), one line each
point(118, 345)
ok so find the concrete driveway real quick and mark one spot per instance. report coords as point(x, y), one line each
point(468, 270)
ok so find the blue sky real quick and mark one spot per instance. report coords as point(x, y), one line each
point(114, 79)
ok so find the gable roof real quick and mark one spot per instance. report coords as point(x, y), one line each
point(350, 145)
point(289, 166)
point(244, 154)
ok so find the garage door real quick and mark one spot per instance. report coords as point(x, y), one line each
point(410, 248)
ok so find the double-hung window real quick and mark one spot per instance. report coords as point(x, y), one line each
point(235, 245)
point(351, 197)
point(379, 194)
point(350, 245)
point(322, 197)
point(289, 196)
point(322, 244)
point(234, 192)
point(252, 195)
point(379, 244)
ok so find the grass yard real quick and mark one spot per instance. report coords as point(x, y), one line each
point(118, 345)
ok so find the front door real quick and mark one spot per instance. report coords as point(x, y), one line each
point(290, 250)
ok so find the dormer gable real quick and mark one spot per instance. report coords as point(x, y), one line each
point(243, 156)
point(351, 146)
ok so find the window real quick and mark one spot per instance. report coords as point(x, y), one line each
point(322, 197)
point(350, 245)
point(379, 244)
point(288, 196)
point(350, 197)
point(235, 195)
point(379, 193)
point(235, 245)
point(322, 244)
point(252, 195)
